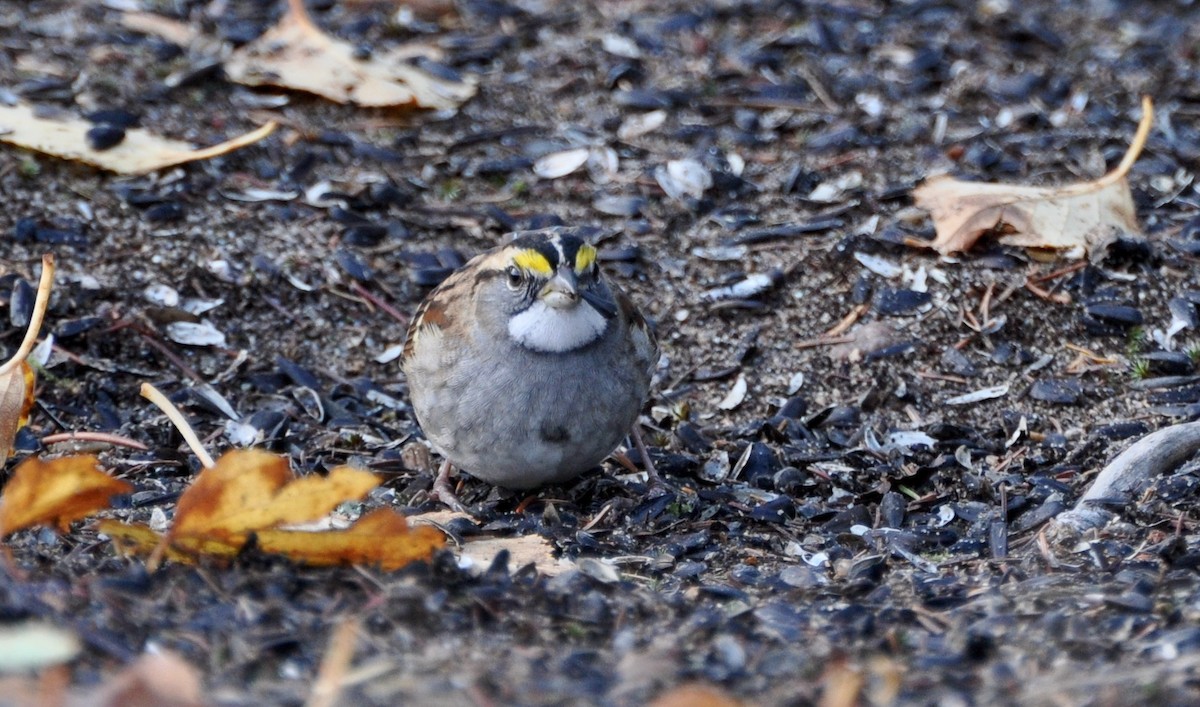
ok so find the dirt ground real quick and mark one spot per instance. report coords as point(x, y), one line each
point(841, 528)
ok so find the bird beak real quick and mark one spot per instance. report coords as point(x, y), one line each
point(562, 292)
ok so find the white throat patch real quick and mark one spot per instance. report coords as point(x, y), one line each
point(548, 330)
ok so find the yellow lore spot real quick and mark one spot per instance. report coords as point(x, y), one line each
point(584, 258)
point(532, 261)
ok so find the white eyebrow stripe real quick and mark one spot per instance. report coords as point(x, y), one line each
point(562, 256)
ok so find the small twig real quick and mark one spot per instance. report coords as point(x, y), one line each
point(378, 302)
point(847, 321)
point(1044, 548)
point(985, 306)
point(818, 88)
point(1057, 298)
point(1060, 272)
point(929, 375)
point(599, 516)
point(334, 665)
point(151, 337)
point(176, 417)
point(102, 437)
point(822, 341)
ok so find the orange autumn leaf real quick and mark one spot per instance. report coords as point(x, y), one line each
point(380, 538)
point(16, 400)
point(251, 490)
point(253, 494)
point(56, 492)
point(137, 539)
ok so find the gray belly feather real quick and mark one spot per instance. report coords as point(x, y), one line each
point(545, 422)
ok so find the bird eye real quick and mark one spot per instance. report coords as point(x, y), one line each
point(515, 278)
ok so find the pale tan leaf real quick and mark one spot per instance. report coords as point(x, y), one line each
point(1076, 219)
point(1080, 218)
point(296, 54)
point(523, 550)
point(139, 153)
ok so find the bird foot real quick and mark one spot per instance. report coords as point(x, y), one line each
point(444, 492)
point(656, 482)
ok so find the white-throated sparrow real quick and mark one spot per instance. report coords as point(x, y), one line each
point(525, 367)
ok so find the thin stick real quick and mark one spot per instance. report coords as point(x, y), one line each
point(1135, 148)
point(102, 437)
point(331, 676)
point(821, 341)
point(153, 394)
point(378, 302)
point(35, 321)
point(847, 321)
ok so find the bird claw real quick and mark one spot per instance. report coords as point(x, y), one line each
point(444, 493)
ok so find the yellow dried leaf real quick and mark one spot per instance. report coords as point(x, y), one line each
point(251, 490)
point(380, 538)
point(1076, 219)
point(139, 153)
point(296, 54)
point(138, 540)
point(56, 492)
point(251, 494)
point(16, 400)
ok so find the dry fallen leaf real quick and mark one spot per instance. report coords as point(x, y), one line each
point(250, 490)
point(16, 400)
point(695, 695)
point(16, 375)
point(381, 538)
point(139, 152)
point(1076, 219)
point(251, 493)
point(296, 54)
point(55, 492)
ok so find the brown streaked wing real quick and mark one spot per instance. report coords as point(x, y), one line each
point(631, 314)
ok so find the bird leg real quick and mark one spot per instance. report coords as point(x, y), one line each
point(443, 491)
point(652, 474)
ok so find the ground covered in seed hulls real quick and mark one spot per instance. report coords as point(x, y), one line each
point(841, 513)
